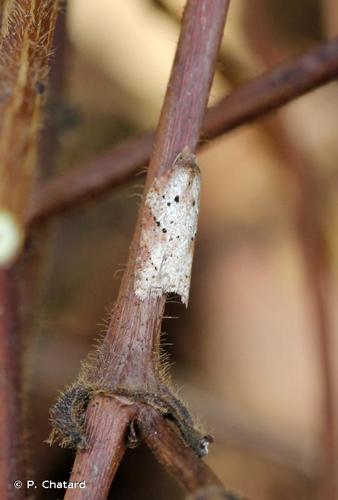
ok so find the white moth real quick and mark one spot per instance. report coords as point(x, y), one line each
point(168, 231)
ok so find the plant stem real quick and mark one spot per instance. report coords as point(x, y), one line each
point(310, 231)
point(179, 460)
point(12, 449)
point(28, 27)
point(107, 446)
point(250, 101)
point(26, 37)
point(96, 177)
point(130, 351)
point(317, 268)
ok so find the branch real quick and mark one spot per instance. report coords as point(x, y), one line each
point(180, 461)
point(83, 183)
point(27, 29)
point(26, 37)
point(127, 363)
point(12, 452)
point(252, 100)
point(107, 446)
point(311, 234)
point(317, 268)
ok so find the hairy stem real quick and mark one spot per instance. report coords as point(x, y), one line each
point(180, 461)
point(106, 441)
point(129, 356)
point(26, 37)
point(27, 27)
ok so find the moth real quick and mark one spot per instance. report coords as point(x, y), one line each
point(168, 232)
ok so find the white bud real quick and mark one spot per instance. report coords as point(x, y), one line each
point(11, 238)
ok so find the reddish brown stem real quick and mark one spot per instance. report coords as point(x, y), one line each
point(180, 461)
point(26, 36)
point(97, 176)
point(129, 355)
point(261, 95)
point(186, 99)
point(12, 450)
point(105, 441)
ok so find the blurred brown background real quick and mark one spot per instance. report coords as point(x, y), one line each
point(246, 351)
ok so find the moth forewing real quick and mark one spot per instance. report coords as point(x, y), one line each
point(168, 231)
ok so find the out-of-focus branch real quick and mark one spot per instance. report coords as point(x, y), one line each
point(26, 37)
point(100, 174)
point(310, 230)
point(12, 454)
point(128, 360)
point(314, 249)
point(27, 34)
point(309, 226)
point(261, 95)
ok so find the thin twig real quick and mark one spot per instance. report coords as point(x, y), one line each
point(252, 100)
point(27, 29)
point(129, 355)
